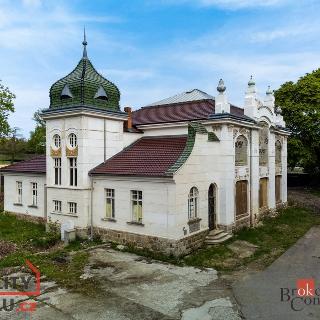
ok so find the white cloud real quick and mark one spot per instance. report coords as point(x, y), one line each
point(229, 4)
point(32, 3)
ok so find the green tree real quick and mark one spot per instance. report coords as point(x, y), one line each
point(6, 106)
point(14, 145)
point(300, 104)
point(37, 141)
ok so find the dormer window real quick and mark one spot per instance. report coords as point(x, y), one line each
point(66, 93)
point(101, 94)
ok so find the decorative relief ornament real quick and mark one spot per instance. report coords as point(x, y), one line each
point(55, 153)
point(72, 152)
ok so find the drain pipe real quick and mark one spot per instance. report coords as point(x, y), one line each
point(91, 213)
point(250, 171)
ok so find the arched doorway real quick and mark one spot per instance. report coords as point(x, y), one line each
point(212, 207)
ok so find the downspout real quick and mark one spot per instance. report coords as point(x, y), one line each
point(104, 141)
point(91, 213)
point(250, 171)
point(45, 203)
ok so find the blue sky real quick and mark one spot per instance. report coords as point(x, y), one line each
point(155, 49)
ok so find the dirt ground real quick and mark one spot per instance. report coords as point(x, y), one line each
point(304, 198)
point(134, 288)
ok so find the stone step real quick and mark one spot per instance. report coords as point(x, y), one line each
point(215, 232)
point(217, 236)
point(217, 241)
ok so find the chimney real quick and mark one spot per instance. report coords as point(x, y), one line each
point(128, 124)
point(251, 100)
point(221, 100)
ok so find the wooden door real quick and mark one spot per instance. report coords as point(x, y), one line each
point(212, 207)
point(241, 197)
point(278, 189)
point(263, 193)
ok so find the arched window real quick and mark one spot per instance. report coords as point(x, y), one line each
point(193, 203)
point(72, 140)
point(57, 141)
point(263, 145)
point(241, 147)
point(278, 148)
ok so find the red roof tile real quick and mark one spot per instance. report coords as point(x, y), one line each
point(186, 111)
point(34, 165)
point(148, 156)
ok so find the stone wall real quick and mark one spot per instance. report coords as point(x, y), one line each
point(27, 217)
point(179, 247)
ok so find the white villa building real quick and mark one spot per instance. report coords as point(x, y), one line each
point(161, 177)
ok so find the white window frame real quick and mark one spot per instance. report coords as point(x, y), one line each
point(57, 171)
point(57, 206)
point(136, 200)
point(56, 141)
point(193, 203)
point(19, 191)
point(34, 193)
point(73, 172)
point(73, 208)
point(110, 203)
point(72, 140)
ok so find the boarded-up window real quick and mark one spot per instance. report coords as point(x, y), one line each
point(278, 189)
point(263, 193)
point(263, 145)
point(278, 153)
point(241, 198)
point(241, 151)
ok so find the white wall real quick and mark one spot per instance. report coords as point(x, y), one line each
point(11, 196)
point(81, 197)
point(158, 205)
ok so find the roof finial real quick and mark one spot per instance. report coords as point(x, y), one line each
point(251, 81)
point(84, 42)
point(221, 88)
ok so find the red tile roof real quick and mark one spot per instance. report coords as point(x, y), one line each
point(185, 111)
point(148, 156)
point(34, 165)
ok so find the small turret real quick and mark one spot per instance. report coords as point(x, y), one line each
point(221, 100)
point(251, 100)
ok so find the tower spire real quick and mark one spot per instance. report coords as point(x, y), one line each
point(84, 42)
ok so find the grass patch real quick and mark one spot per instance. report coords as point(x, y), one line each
point(65, 266)
point(274, 236)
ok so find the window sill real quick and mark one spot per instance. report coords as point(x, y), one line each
point(18, 204)
point(65, 214)
point(194, 220)
point(136, 223)
point(33, 206)
point(109, 219)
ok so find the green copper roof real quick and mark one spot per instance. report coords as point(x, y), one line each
point(85, 86)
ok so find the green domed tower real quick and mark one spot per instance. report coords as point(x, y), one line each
point(84, 86)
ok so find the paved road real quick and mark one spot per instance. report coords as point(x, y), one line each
point(259, 295)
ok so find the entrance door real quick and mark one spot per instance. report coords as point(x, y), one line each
point(212, 207)
point(278, 189)
point(241, 198)
point(263, 193)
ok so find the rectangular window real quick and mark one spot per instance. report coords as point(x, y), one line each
point(72, 207)
point(73, 171)
point(57, 206)
point(57, 171)
point(136, 202)
point(19, 191)
point(109, 203)
point(34, 193)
